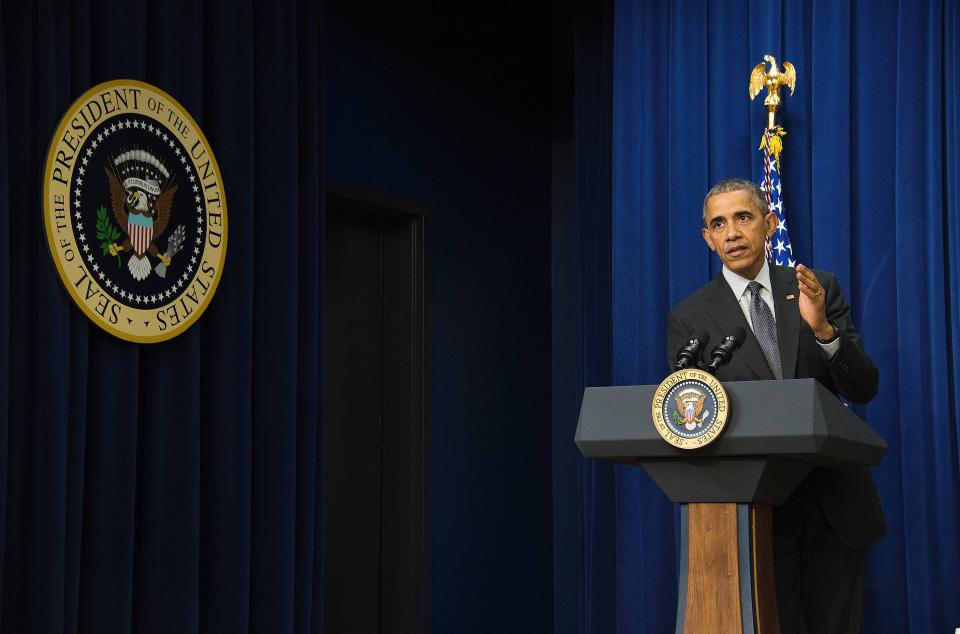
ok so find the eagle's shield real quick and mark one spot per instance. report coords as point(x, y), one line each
point(140, 229)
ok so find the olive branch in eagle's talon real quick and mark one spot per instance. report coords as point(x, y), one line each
point(107, 234)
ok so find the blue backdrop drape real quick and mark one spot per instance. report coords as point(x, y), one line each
point(871, 181)
point(171, 487)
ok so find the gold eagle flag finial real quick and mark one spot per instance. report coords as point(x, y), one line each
point(772, 140)
point(772, 79)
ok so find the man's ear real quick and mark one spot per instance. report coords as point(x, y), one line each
point(708, 239)
point(772, 222)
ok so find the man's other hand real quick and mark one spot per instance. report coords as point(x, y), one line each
point(813, 304)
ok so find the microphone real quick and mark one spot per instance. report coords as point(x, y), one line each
point(689, 355)
point(724, 352)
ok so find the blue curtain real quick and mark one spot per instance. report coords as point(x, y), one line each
point(871, 181)
point(169, 487)
point(593, 45)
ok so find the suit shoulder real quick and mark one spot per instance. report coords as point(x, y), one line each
point(694, 302)
point(829, 281)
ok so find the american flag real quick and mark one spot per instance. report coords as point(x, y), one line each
point(779, 248)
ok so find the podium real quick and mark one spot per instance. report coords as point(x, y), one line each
point(778, 431)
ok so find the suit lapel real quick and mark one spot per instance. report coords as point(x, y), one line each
point(783, 283)
point(728, 315)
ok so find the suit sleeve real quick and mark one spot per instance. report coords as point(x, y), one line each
point(851, 369)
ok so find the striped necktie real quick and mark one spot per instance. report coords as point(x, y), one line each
point(765, 329)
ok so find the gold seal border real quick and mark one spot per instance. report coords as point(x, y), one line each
point(184, 325)
point(723, 409)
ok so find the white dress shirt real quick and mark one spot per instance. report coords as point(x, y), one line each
point(739, 285)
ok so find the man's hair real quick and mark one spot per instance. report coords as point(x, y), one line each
point(728, 185)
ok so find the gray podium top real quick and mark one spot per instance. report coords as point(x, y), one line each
point(797, 420)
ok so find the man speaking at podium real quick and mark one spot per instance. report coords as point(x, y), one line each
point(798, 326)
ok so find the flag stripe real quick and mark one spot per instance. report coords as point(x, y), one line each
point(140, 238)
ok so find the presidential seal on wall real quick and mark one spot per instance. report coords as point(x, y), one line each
point(690, 408)
point(135, 212)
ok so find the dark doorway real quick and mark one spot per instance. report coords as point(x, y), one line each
point(376, 415)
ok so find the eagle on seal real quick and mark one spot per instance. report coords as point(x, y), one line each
point(690, 403)
point(143, 217)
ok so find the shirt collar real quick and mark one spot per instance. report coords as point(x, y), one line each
point(739, 283)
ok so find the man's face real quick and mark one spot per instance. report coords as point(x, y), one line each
point(736, 231)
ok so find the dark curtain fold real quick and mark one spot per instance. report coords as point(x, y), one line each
point(593, 39)
point(5, 317)
point(870, 183)
point(169, 487)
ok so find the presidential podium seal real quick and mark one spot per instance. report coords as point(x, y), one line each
point(135, 212)
point(690, 409)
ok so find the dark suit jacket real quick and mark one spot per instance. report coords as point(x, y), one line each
point(847, 494)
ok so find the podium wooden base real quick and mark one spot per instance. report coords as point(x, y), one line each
point(726, 570)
